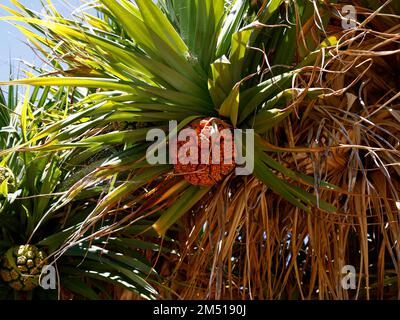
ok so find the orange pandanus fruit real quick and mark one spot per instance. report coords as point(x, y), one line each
point(205, 173)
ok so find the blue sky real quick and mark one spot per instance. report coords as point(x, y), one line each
point(13, 44)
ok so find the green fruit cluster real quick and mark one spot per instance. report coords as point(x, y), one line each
point(21, 267)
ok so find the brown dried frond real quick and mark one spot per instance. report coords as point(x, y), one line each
point(248, 243)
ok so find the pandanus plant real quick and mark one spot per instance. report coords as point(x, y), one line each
point(35, 231)
point(176, 61)
point(248, 65)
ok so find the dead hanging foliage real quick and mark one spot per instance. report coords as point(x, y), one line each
point(248, 243)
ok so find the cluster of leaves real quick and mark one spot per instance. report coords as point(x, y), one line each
point(152, 66)
point(30, 213)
